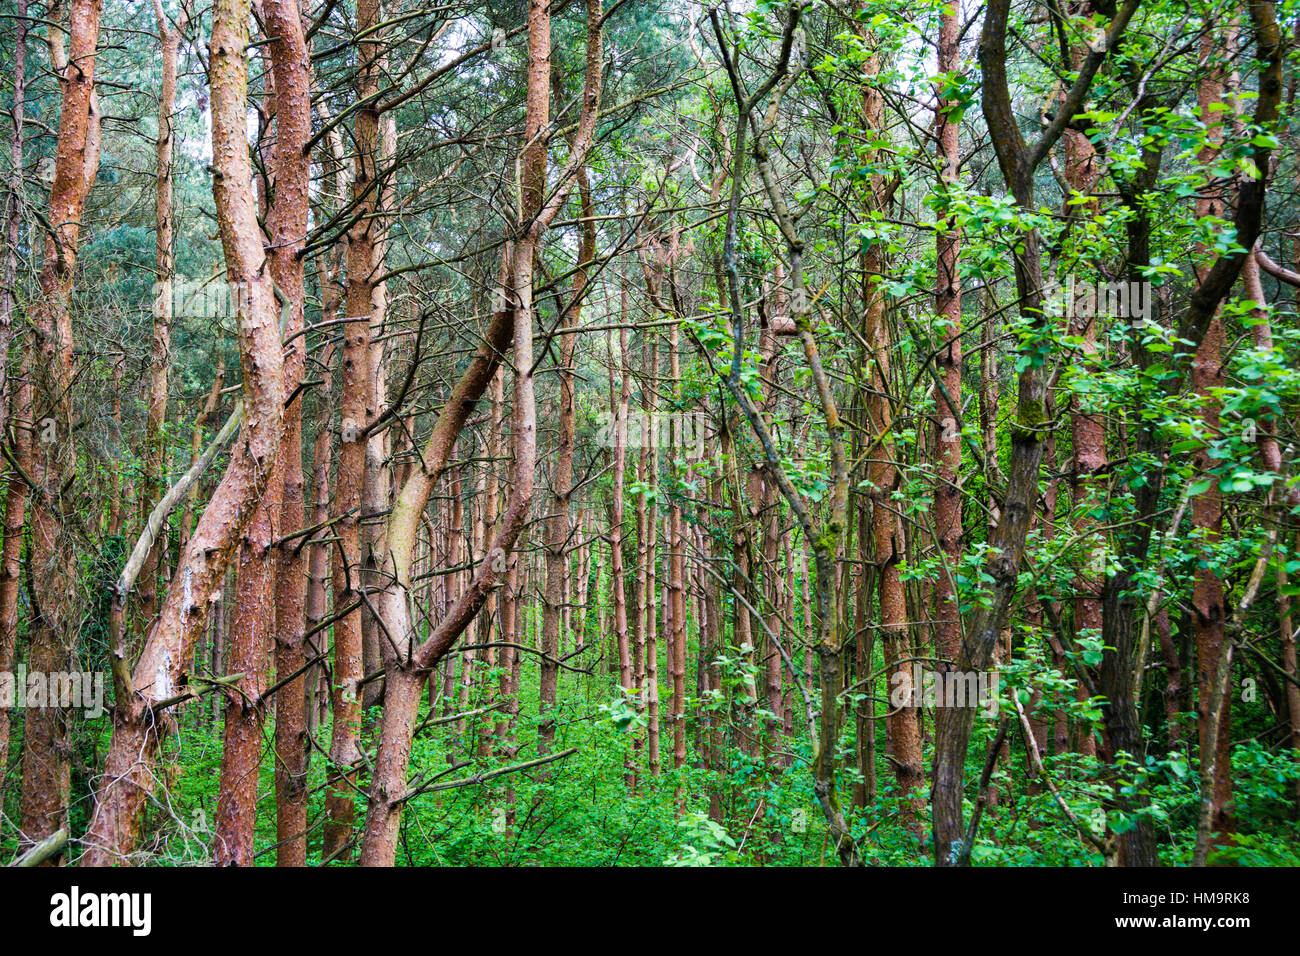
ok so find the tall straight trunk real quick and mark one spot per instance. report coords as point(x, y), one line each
point(287, 226)
point(558, 531)
point(705, 617)
point(478, 542)
point(640, 597)
point(581, 590)
point(557, 540)
point(47, 745)
point(491, 617)
point(481, 661)
point(1207, 507)
point(1174, 693)
point(618, 412)
point(508, 683)
point(771, 669)
point(948, 362)
point(13, 400)
point(649, 468)
point(864, 792)
point(10, 567)
point(677, 568)
point(990, 385)
point(742, 624)
point(316, 600)
point(1087, 428)
point(789, 700)
point(220, 628)
point(13, 207)
point(377, 490)
point(456, 556)
point(505, 744)
point(115, 485)
point(886, 525)
point(355, 385)
point(251, 634)
point(155, 466)
point(887, 551)
point(128, 776)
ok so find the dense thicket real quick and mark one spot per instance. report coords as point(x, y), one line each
point(650, 432)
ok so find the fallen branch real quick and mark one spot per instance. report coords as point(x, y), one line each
point(42, 851)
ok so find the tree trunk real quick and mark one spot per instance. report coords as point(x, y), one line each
point(47, 746)
point(128, 776)
point(287, 227)
point(1207, 507)
point(13, 401)
point(948, 361)
point(153, 479)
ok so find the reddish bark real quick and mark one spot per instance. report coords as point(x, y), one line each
point(886, 526)
point(948, 362)
point(355, 388)
point(46, 743)
point(249, 642)
point(158, 676)
point(1207, 507)
point(287, 226)
point(407, 664)
point(558, 530)
point(618, 412)
point(13, 400)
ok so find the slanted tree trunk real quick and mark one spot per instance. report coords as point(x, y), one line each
point(407, 663)
point(128, 776)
